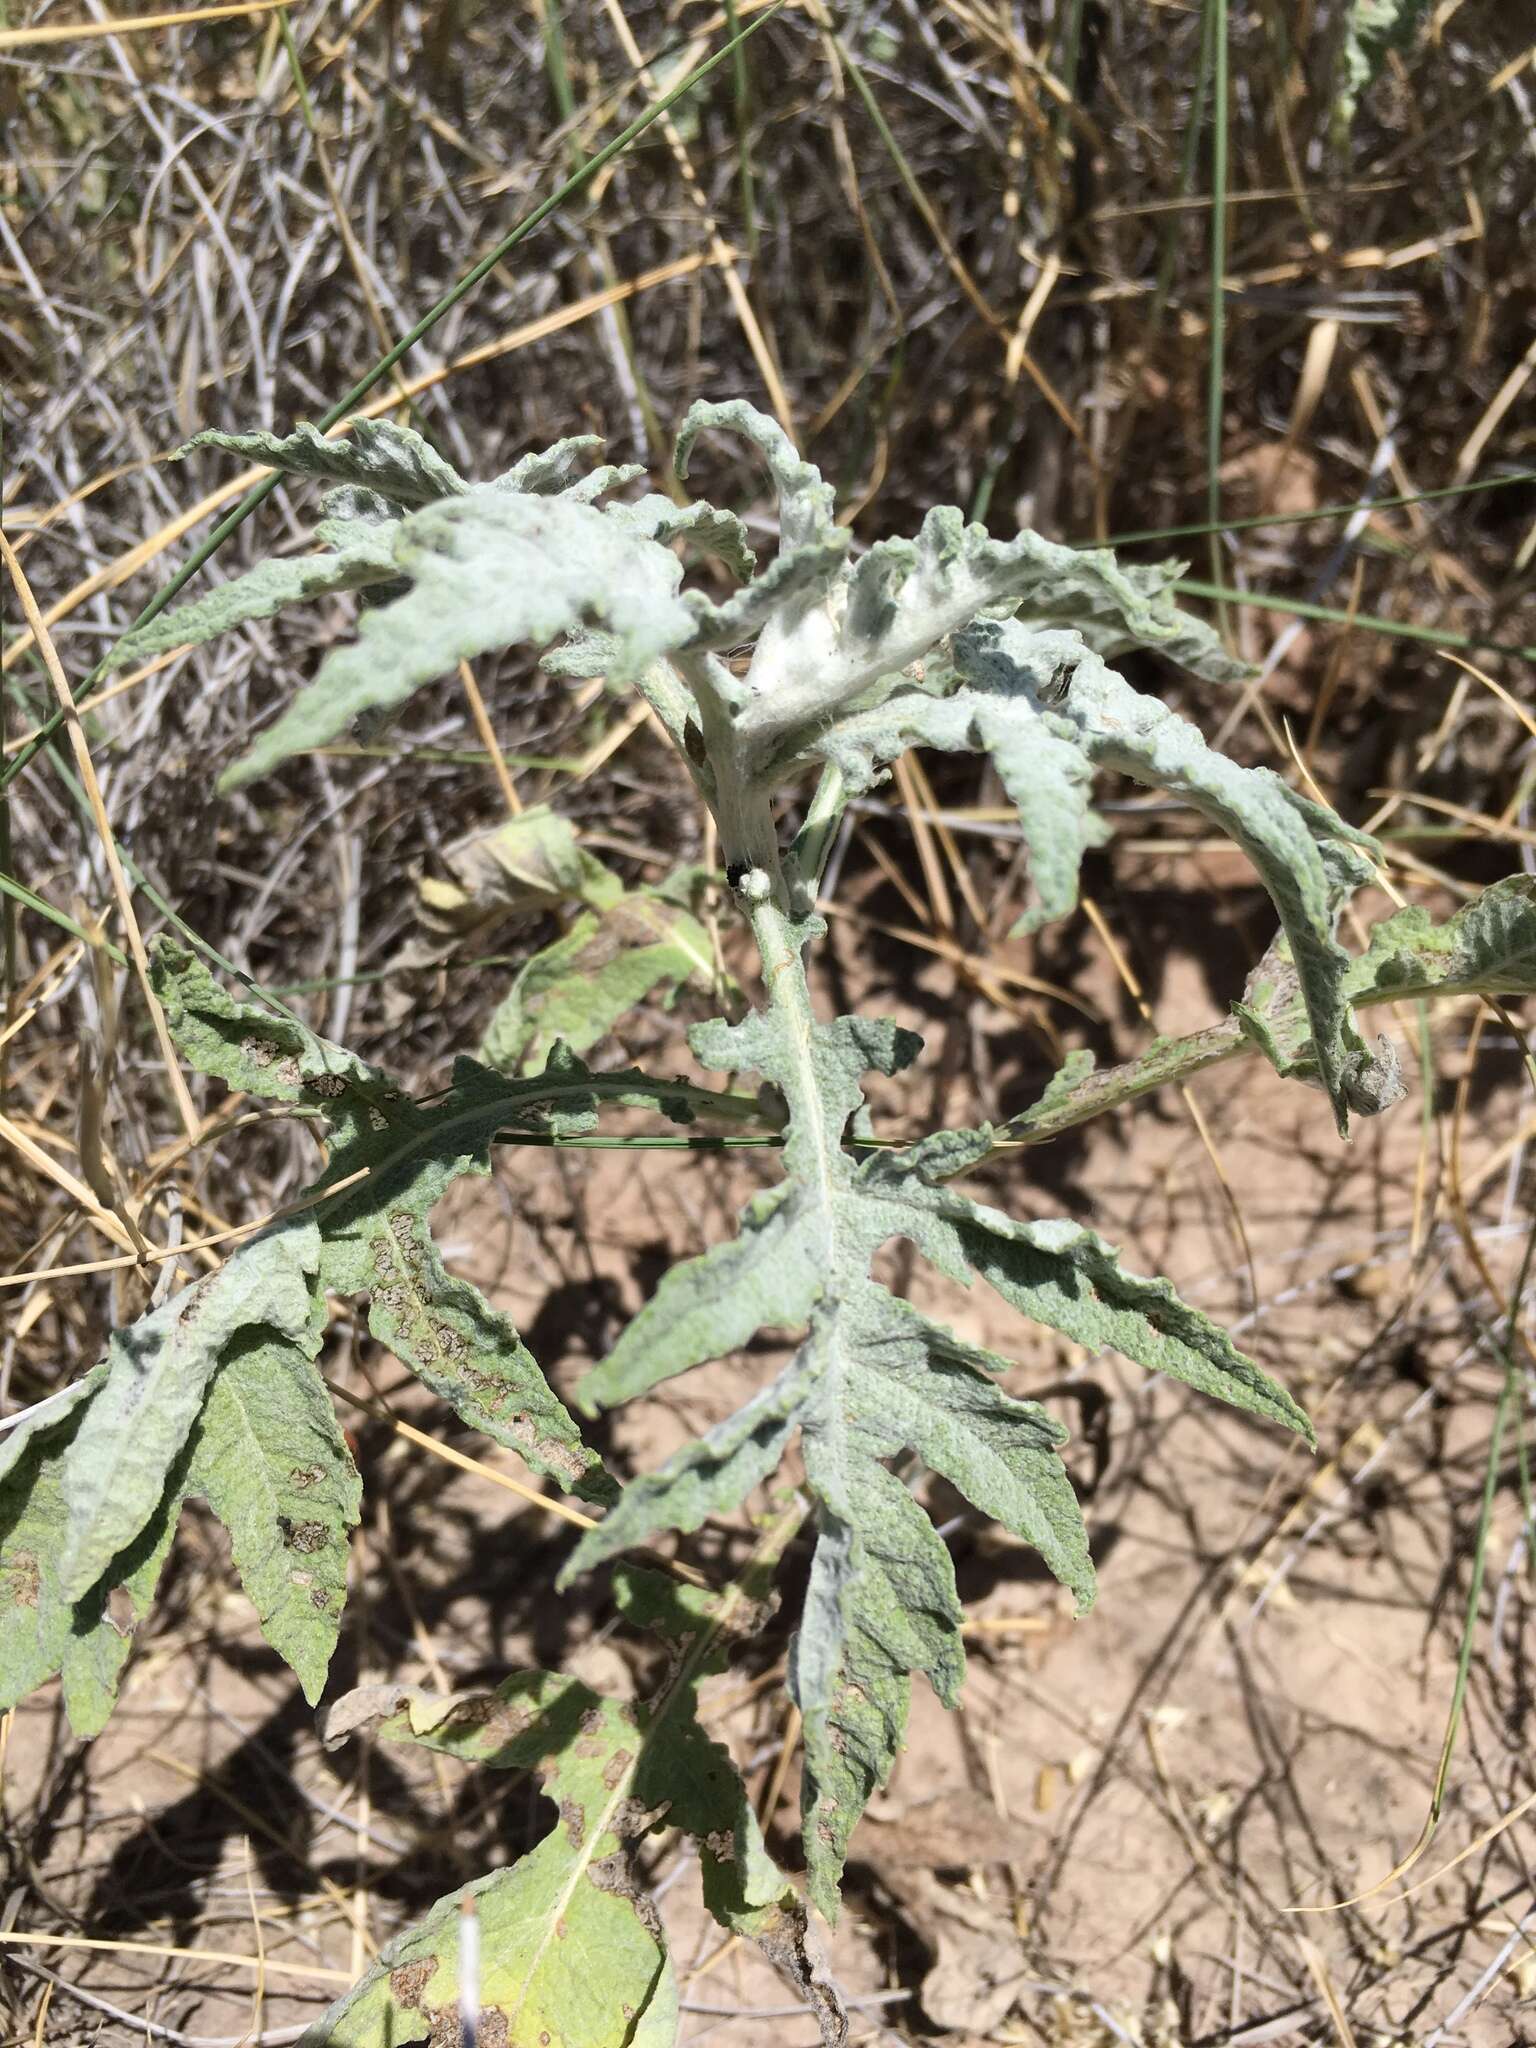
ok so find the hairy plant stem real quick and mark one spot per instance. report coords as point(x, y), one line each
point(741, 806)
point(788, 991)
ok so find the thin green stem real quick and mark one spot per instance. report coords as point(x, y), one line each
point(742, 89)
point(1189, 158)
point(1369, 622)
point(1166, 533)
point(1216, 12)
point(18, 892)
point(296, 70)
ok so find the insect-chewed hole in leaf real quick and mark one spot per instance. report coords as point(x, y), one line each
point(119, 1612)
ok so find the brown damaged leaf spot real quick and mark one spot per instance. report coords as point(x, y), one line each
point(492, 1391)
point(634, 1817)
point(402, 1226)
point(561, 1459)
point(573, 1821)
point(119, 1611)
point(786, 1942)
point(302, 1477)
point(22, 1580)
point(407, 1983)
point(273, 1059)
point(501, 1721)
point(616, 1766)
point(327, 1085)
point(446, 2031)
point(304, 1537)
point(612, 1874)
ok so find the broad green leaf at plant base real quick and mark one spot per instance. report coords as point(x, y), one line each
point(43, 1632)
point(573, 1948)
point(158, 1372)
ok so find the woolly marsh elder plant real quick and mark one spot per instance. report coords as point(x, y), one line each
point(953, 641)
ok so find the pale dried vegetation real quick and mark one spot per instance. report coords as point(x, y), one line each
point(966, 251)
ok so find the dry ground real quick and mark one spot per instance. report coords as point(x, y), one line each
point(1103, 1844)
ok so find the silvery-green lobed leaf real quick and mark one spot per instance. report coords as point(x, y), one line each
point(212, 1394)
point(1187, 641)
point(903, 598)
point(1488, 947)
point(395, 462)
point(489, 569)
point(1058, 1273)
point(874, 1378)
point(790, 583)
point(573, 1948)
point(1047, 776)
point(703, 526)
point(608, 476)
point(881, 1600)
point(805, 501)
point(549, 472)
point(376, 1238)
point(362, 559)
point(133, 1430)
point(1053, 680)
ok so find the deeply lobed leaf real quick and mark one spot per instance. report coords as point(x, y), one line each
point(372, 455)
point(1051, 683)
point(486, 570)
point(874, 1379)
point(361, 561)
